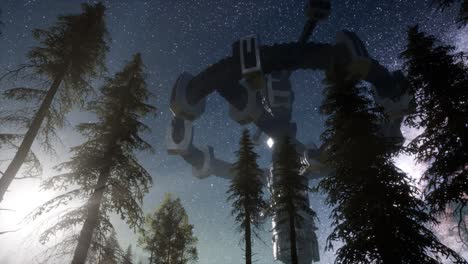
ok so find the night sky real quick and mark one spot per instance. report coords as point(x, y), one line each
point(188, 35)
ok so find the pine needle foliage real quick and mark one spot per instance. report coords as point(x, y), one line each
point(246, 193)
point(377, 214)
point(439, 79)
point(105, 169)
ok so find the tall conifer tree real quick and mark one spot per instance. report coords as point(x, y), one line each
point(70, 52)
point(168, 236)
point(439, 80)
point(128, 257)
point(112, 251)
point(246, 192)
point(288, 188)
point(462, 17)
point(376, 214)
point(105, 168)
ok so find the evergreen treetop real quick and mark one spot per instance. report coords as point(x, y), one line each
point(245, 190)
point(439, 80)
point(167, 235)
point(108, 152)
point(376, 214)
point(246, 193)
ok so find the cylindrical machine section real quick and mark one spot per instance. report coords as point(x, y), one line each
point(181, 105)
point(314, 165)
point(204, 163)
point(390, 89)
point(251, 108)
point(248, 51)
point(179, 136)
point(306, 239)
point(204, 170)
point(295, 56)
point(317, 9)
point(463, 17)
point(279, 92)
point(289, 57)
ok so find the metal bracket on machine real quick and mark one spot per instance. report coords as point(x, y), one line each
point(253, 108)
point(251, 65)
point(317, 9)
point(277, 95)
point(179, 136)
point(208, 158)
point(313, 168)
point(180, 105)
point(360, 64)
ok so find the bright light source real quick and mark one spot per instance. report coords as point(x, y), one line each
point(270, 142)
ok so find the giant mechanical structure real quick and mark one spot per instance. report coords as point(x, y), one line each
point(255, 82)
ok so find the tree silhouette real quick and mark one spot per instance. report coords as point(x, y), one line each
point(167, 235)
point(289, 185)
point(111, 251)
point(245, 192)
point(32, 167)
point(1, 23)
point(439, 79)
point(462, 18)
point(104, 167)
point(128, 257)
point(376, 214)
point(71, 51)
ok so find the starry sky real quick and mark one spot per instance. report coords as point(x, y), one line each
point(188, 35)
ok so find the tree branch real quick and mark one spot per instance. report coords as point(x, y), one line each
point(9, 231)
point(14, 73)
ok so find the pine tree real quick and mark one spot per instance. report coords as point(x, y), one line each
point(167, 235)
point(246, 194)
point(439, 80)
point(71, 52)
point(32, 167)
point(128, 257)
point(111, 251)
point(1, 23)
point(105, 167)
point(462, 14)
point(376, 214)
point(289, 186)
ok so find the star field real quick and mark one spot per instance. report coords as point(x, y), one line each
point(188, 35)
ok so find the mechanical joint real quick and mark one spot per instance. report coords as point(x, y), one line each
point(179, 136)
point(360, 63)
point(180, 105)
point(317, 9)
point(248, 48)
point(207, 167)
point(279, 92)
point(252, 109)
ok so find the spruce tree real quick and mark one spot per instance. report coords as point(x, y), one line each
point(462, 18)
point(105, 168)
point(128, 257)
point(70, 52)
point(32, 167)
point(112, 251)
point(439, 80)
point(1, 23)
point(376, 214)
point(245, 192)
point(167, 235)
point(289, 187)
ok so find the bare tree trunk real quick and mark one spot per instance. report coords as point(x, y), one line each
point(292, 237)
point(248, 240)
point(92, 219)
point(25, 147)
